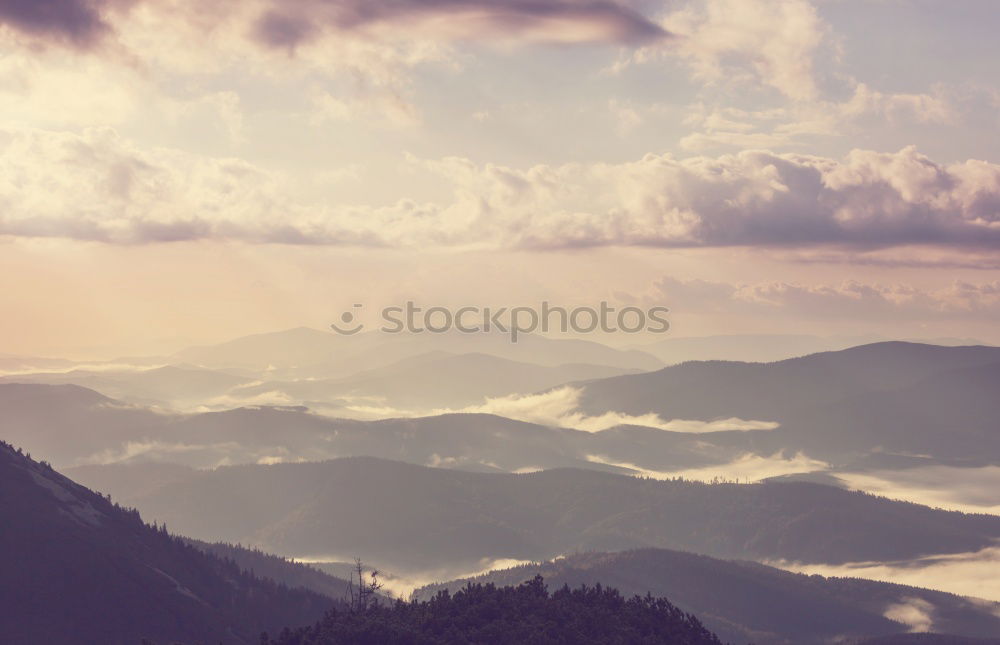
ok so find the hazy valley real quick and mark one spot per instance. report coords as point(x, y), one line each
point(691, 471)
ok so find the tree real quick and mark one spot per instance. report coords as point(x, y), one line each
point(364, 596)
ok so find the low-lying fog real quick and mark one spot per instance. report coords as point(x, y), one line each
point(967, 574)
point(970, 490)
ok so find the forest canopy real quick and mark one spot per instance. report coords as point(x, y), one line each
point(527, 613)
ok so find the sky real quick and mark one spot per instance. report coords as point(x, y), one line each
point(177, 172)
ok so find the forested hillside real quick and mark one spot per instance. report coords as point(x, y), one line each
point(104, 576)
point(746, 602)
point(523, 615)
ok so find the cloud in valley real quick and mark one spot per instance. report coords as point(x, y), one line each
point(746, 468)
point(402, 583)
point(970, 490)
point(965, 574)
point(216, 454)
point(915, 613)
point(559, 407)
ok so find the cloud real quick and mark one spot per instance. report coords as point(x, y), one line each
point(402, 584)
point(923, 108)
point(790, 126)
point(157, 450)
point(849, 299)
point(905, 257)
point(626, 117)
point(365, 50)
point(287, 25)
point(754, 198)
point(235, 399)
point(966, 574)
point(773, 42)
point(388, 107)
point(282, 458)
point(97, 186)
point(78, 23)
point(748, 467)
point(559, 407)
point(777, 50)
point(970, 490)
point(915, 613)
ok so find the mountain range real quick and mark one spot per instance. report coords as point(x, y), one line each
point(413, 518)
point(887, 400)
point(310, 353)
point(535, 460)
point(746, 602)
point(898, 397)
point(324, 370)
point(108, 577)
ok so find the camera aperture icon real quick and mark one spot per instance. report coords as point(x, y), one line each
point(347, 318)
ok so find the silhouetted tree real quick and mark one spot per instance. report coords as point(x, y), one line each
point(364, 596)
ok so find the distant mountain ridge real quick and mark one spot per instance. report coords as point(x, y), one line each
point(318, 353)
point(77, 426)
point(748, 602)
point(766, 348)
point(750, 390)
point(166, 385)
point(890, 405)
point(435, 379)
point(333, 372)
point(894, 396)
point(405, 514)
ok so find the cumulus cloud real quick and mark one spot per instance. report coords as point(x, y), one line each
point(782, 50)
point(773, 42)
point(98, 186)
